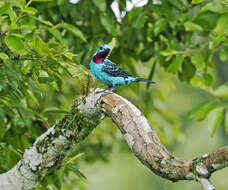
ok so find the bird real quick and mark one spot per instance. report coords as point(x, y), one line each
point(108, 72)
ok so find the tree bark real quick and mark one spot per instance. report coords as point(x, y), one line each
point(48, 151)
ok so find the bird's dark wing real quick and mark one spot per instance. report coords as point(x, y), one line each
point(113, 70)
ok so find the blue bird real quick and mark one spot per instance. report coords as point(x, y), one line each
point(108, 72)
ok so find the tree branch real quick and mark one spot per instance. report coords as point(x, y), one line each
point(48, 151)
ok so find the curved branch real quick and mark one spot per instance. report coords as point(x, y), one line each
point(48, 152)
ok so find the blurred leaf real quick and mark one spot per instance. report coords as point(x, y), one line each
point(190, 26)
point(159, 26)
point(197, 1)
point(221, 91)
point(176, 64)
point(188, 71)
point(76, 171)
point(139, 21)
point(74, 158)
point(222, 25)
point(30, 94)
point(43, 21)
point(224, 53)
point(74, 30)
point(200, 112)
point(14, 43)
point(54, 110)
point(108, 24)
point(217, 40)
point(215, 6)
point(214, 120)
point(56, 34)
point(41, 0)
point(100, 4)
point(4, 8)
point(30, 10)
point(3, 56)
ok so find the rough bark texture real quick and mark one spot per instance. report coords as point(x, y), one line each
point(48, 151)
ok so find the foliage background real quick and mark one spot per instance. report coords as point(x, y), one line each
point(45, 50)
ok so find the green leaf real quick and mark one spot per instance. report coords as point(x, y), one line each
point(199, 60)
point(190, 26)
point(42, 0)
point(56, 34)
point(108, 24)
point(3, 56)
point(221, 91)
point(188, 71)
point(222, 24)
point(197, 1)
point(176, 64)
point(14, 43)
point(30, 10)
point(216, 6)
point(74, 30)
point(54, 109)
point(74, 158)
point(217, 40)
point(226, 122)
point(214, 120)
point(43, 21)
point(139, 21)
point(200, 112)
point(39, 46)
point(31, 96)
point(4, 8)
point(76, 171)
point(159, 26)
point(100, 4)
point(224, 53)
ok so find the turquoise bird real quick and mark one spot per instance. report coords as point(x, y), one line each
point(108, 72)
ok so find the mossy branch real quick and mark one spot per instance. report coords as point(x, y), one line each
point(49, 150)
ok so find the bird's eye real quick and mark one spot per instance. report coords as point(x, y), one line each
point(101, 48)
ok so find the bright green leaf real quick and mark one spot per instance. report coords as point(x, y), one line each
point(74, 30)
point(217, 40)
point(4, 8)
point(159, 26)
point(42, 0)
point(74, 158)
point(215, 118)
point(30, 10)
point(39, 46)
point(221, 91)
point(197, 1)
point(176, 64)
point(43, 21)
point(190, 26)
point(222, 24)
point(3, 56)
point(224, 53)
point(14, 43)
point(216, 6)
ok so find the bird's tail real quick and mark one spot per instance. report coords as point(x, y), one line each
point(144, 80)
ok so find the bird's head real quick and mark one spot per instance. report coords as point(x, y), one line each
point(101, 53)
